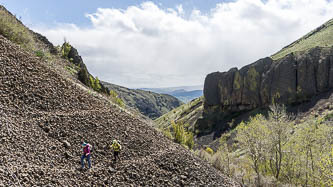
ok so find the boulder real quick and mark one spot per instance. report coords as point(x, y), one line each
point(66, 144)
point(73, 54)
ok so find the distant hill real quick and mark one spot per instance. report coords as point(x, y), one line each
point(184, 93)
point(171, 89)
point(187, 96)
point(147, 103)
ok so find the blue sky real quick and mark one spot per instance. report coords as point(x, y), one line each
point(170, 43)
point(50, 12)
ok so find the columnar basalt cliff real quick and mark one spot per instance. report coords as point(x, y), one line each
point(292, 79)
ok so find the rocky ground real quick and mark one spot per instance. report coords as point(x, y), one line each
point(44, 117)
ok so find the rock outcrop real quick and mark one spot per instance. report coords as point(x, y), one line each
point(290, 80)
point(83, 74)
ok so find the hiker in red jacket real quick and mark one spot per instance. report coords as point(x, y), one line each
point(86, 154)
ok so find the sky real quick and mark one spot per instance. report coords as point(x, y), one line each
point(136, 43)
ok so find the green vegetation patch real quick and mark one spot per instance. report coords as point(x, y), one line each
point(274, 151)
point(13, 30)
point(116, 99)
point(65, 49)
point(72, 69)
point(184, 113)
point(328, 117)
point(180, 134)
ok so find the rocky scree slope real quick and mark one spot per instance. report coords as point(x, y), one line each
point(44, 116)
point(290, 77)
point(147, 103)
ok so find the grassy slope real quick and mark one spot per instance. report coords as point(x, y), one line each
point(321, 36)
point(15, 31)
point(187, 113)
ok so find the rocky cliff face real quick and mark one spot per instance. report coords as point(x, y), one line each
point(83, 74)
point(293, 79)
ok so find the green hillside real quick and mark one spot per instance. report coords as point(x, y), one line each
point(321, 36)
point(188, 114)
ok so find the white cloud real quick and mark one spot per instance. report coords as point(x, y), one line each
point(147, 46)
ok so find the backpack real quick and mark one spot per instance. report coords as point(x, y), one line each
point(117, 146)
point(91, 147)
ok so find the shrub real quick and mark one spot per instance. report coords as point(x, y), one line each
point(71, 70)
point(189, 142)
point(328, 117)
point(65, 49)
point(179, 132)
point(91, 81)
point(326, 168)
point(115, 98)
point(180, 135)
point(209, 150)
point(120, 102)
point(40, 53)
point(167, 133)
point(113, 93)
point(97, 85)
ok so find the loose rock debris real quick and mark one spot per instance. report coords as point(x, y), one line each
point(44, 117)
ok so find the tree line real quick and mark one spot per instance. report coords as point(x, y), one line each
point(277, 150)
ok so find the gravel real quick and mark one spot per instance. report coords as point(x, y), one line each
point(44, 116)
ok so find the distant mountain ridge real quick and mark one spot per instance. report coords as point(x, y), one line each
point(171, 89)
point(183, 93)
